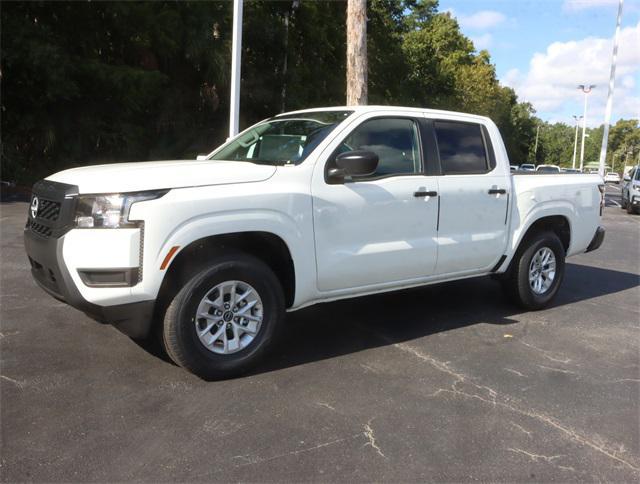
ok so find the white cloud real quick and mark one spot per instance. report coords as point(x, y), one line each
point(482, 20)
point(573, 5)
point(553, 76)
point(483, 41)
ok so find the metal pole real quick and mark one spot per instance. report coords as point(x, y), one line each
point(535, 150)
point(236, 59)
point(586, 90)
point(612, 81)
point(575, 141)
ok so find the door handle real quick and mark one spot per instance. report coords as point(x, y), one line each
point(495, 191)
point(425, 194)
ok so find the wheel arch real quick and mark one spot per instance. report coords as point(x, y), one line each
point(558, 224)
point(266, 246)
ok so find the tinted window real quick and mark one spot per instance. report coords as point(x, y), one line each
point(461, 147)
point(394, 140)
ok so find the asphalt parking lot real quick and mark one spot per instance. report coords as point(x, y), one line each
point(444, 383)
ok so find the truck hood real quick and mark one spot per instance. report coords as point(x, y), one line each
point(154, 175)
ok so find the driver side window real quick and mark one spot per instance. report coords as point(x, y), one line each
point(394, 140)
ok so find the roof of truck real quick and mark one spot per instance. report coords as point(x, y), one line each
point(374, 108)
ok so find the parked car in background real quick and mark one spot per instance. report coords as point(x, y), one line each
point(527, 167)
point(570, 170)
point(304, 207)
point(612, 177)
point(631, 191)
point(548, 169)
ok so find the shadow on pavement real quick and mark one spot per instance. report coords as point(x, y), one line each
point(333, 329)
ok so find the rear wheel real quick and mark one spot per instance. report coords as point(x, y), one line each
point(536, 271)
point(225, 318)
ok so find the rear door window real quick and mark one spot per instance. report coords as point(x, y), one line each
point(462, 148)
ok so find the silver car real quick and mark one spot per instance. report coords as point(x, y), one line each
point(631, 191)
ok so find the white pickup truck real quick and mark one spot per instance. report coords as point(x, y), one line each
point(304, 207)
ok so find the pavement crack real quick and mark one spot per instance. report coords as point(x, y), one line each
point(515, 372)
point(490, 396)
point(18, 383)
point(546, 354)
point(521, 428)
point(369, 434)
point(536, 457)
point(326, 405)
point(444, 367)
point(252, 460)
point(557, 369)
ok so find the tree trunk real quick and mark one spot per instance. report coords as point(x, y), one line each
point(356, 52)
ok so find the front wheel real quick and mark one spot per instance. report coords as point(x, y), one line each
point(536, 271)
point(225, 318)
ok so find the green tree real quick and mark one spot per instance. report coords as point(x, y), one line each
point(113, 81)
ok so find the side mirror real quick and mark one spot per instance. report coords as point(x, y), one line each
point(627, 178)
point(354, 163)
point(201, 157)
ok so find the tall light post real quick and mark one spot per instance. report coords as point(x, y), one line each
point(575, 141)
point(236, 59)
point(612, 80)
point(535, 149)
point(586, 89)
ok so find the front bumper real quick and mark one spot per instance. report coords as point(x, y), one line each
point(597, 240)
point(52, 274)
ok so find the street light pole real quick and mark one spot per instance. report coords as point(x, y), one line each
point(586, 89)
point(535, 149)
point(575, 141)
point(612, 81)
point(236, 58)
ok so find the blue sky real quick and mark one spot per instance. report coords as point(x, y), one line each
point(545, 48)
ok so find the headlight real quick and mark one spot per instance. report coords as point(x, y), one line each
point(110, 211)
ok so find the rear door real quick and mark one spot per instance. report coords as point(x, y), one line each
point(474, 194)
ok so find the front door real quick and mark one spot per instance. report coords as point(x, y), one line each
point(378, 229)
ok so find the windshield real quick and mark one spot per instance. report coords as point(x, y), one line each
point(282, 140)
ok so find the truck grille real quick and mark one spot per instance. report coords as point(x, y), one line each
point(50, 213)
point(39, 229)
point(49, 210)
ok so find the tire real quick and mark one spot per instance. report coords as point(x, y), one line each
point(225, 357)
point(517, 284)
point(630, 209)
